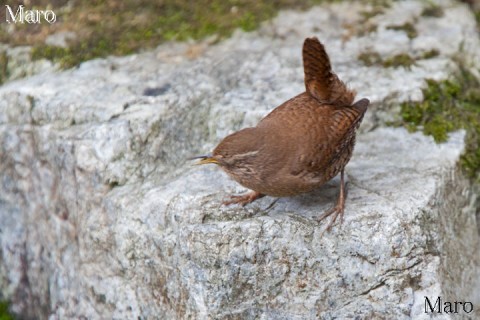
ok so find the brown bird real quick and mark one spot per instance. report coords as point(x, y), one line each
point(301, 144)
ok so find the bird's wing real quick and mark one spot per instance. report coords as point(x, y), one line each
point(337, 134)
point(320, 81)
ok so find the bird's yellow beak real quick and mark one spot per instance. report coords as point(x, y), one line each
point(205, 160)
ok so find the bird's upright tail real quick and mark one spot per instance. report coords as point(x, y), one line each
point(320, 81)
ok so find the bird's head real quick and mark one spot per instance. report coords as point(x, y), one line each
point(239, 147)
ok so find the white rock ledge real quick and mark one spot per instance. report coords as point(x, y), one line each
point(102, 217)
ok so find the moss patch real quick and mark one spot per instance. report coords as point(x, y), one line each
point(3, 66)
point(377, 7)
point(366, 24)
point(433, 11)
point(122, 27)
point(477, 18)
point(450, 105)
point(402, 59)
point(408, 28)
point(4, 313)
point(375, 11)
point(371, 58)
point(430, 54)
point(374, 58)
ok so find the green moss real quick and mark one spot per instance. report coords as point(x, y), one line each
point(80, 51)
point(3, 67)
point(430, 54)
point(450, 105)
point(408, 28)
point(370, 58)
point(433, 10)
point(403, 59)
point(50, 53)
point(123, 27)
point(4, 313)
point(375, 11)
point(377, 7)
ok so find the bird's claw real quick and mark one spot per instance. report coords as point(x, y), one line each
point(243, 200)
point(336, 211)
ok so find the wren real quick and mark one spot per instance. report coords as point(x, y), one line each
point(301, 144)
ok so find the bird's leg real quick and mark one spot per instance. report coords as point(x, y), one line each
point(244, 199)
point(337, 210)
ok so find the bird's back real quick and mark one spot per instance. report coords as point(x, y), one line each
point(304, 142)
point(316, 129)
point(319, 139)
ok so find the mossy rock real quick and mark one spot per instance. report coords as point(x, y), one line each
point(450, 105)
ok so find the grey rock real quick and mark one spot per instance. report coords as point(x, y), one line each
point(16, 63)
point(102, 217)
point(60, 39)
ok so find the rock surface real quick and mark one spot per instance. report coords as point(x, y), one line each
point(102, 217)
point(17, 63)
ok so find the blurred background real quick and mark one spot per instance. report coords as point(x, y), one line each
point(84, 30)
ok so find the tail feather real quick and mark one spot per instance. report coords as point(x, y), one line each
point(320, 81)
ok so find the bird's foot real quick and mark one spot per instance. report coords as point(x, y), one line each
point(336, 211)
point(244, 199)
